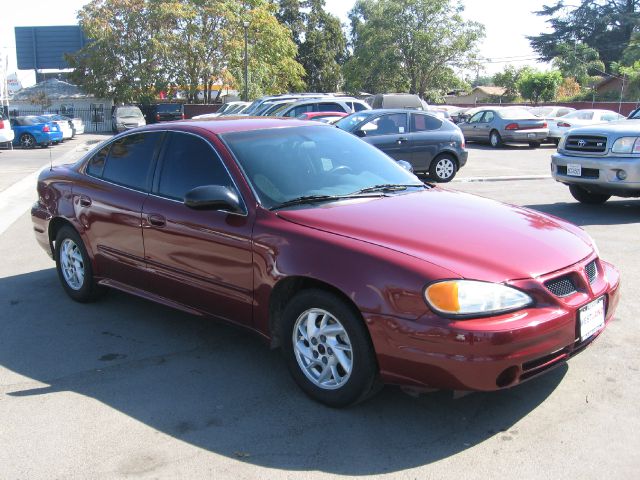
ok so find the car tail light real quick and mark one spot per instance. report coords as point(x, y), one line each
point(564, 124)
point(1, 123)
point(46, 129)
point(182, 116)
point(544, 125)
point(462, 144)
point(158, 116)
point(512, 126)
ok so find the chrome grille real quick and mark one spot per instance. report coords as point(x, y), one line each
point(561, 287)
point(592, 271)
point(586, 143)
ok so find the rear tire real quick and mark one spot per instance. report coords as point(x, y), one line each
point(495, 139)
point(328, 349)
point(443, 168)
point(590, 198)
point(74, 267)
point(27, 140)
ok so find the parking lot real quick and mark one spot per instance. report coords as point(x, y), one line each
point(124, 387)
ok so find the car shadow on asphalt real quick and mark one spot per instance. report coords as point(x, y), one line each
point(223, 390)
point(616, 211)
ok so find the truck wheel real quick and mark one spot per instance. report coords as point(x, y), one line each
point(585, 196)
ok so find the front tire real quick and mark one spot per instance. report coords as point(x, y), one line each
point(327, 349)
point(74, 267)
point(495, 139)
point(589, 198)
point(443, 168)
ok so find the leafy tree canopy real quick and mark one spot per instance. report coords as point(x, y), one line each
point(539, 86)
point(409, 45)
point(604, 25)
point(578, 61)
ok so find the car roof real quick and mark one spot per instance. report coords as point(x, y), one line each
point(221, 125)
point(393, 110)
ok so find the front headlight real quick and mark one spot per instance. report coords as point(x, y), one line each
point(472, 298)
point(626, 145)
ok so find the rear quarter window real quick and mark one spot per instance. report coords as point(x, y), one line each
point(130, 160)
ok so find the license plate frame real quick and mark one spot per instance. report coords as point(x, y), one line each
point(531, 135)
point(591, 318)
point(574, 169)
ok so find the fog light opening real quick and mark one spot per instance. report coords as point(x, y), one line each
point(621, 174)
point(507, 377)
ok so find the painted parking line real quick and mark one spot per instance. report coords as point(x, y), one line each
point(502, 178)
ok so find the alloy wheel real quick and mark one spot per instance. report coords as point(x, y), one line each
point(445, 168)
point(323, 349)
point(72, 264)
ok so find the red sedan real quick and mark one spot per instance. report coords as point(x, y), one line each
point(326, 117)
point(327, 248)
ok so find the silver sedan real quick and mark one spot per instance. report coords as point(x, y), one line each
point(498, 126)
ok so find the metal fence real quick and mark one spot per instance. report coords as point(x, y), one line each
point(95, 119)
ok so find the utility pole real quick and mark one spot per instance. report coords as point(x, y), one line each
point(246, 61)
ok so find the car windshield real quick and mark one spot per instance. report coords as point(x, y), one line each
point(169, 108)
point(542, 111)
point(284, 164)
point(129, 112)
point(516, 114)
point(347, 123)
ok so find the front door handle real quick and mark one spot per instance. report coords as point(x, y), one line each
point(156, 220)
point(85, 201)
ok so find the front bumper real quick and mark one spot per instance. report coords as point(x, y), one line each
point(599, 174)
point(463, 156)
point(489, 353)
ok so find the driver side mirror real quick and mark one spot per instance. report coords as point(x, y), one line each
point(213, 197)
point(360, 133)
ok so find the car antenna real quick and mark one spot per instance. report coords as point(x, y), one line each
point(50, 161)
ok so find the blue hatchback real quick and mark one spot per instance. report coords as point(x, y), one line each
point(32, 130)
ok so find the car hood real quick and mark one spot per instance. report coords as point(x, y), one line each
point(470, 236)
point(619, 127)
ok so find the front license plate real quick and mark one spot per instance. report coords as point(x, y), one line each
point(574, 169)
point(591, 318)
point(531, 135)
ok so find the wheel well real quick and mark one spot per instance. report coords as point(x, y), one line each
point(286, 289)
point(54, 227)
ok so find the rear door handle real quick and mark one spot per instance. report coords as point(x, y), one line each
point(156, 220)
point(402, 140)
point(85, 201)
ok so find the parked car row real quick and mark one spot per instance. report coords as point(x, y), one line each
point(29, 131)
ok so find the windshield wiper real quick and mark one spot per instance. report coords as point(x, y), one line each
point(317, 198)
point(388, 187)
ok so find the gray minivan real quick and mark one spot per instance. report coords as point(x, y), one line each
point(126, 117)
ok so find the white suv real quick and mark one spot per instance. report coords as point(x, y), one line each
point(6, 133)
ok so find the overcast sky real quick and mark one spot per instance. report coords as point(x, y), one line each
point(507, 23)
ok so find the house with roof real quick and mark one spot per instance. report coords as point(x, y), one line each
point(57, 96)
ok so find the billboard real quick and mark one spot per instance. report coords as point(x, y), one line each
point(44, 47)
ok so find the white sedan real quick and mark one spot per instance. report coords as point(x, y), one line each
point(580, 118)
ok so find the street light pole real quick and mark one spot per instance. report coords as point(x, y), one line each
point(246, 62)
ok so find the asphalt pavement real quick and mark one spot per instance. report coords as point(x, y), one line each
point(126, 388)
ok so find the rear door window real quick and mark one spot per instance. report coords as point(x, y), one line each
point(130, 160)
point(188, 162)
point(330, 107)
point(392, 124)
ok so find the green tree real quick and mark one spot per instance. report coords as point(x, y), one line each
point(508, 79)
point(412, 45)
point(324, 49)
point(604, 25)
point(539, 86)
point(123, 60)
point(272, 53)
point(578, 61)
